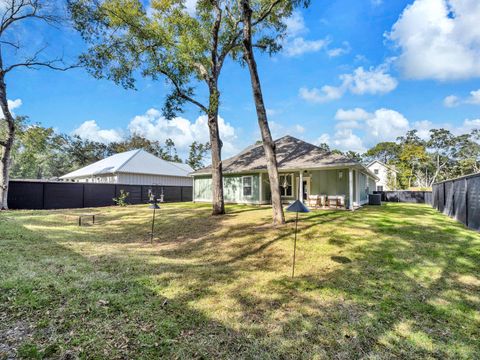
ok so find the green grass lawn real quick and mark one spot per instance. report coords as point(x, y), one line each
point(397, 281)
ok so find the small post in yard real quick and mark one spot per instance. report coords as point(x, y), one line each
point(296, 207)
point(154, 205)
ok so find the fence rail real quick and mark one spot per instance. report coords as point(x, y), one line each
point(460, 199)
point(419, 197)
point(65, 195)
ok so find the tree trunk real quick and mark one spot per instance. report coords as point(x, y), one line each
point(7, 145)
point(218, 203)
point(268, 143)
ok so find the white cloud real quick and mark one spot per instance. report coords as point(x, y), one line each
point(183, 132)
point(278, 130)
point(272, 112)
point(299, 46)
point(386, 124)
point(351, 115)
point(153, 126)
point(474, 97)
point(91, 131)
point(340, 50)
point(423, 128)
point(380, 125)
point(323, 139)
point(325, 94)
point(372, 81)
point(345, 140)
point(12, 105)
point(468, 125)
point(439, 39)
point(295, 24)
point(295, 44)
point(451, 101)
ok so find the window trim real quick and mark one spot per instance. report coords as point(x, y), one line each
point(284, 189)
point(251, 186)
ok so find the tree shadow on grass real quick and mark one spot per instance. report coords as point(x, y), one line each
point(227, 294)
point(101, 308)
point(403, 296)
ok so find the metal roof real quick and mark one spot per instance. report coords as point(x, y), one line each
point(135, 161)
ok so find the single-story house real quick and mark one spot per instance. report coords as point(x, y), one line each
point(135, 167)
point(387, 175)
point(304, 170)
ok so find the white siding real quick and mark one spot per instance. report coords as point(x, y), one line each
point(145, 179)
point(102, 179)
point(139, 179)
point(382, 174)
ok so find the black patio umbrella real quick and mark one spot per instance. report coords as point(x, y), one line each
point(296, 207)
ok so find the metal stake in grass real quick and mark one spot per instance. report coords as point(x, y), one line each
point(296, 207)
point(154, 206)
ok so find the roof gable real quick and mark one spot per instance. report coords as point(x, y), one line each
point(292, 153)
point(382, 164)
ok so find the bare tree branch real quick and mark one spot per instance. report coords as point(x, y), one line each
point(182, 93)
point(18, 10)
point(266, 12)
point(15, 45)
point(34, 62)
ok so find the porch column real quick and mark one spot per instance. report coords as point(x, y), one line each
point(260, 188)
point(301, 186)
point(193, 189)
point(357, 187)
point(350, 188)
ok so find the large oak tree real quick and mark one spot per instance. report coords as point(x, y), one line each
point(163, 41)
point(13, 15)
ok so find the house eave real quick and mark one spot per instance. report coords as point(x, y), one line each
point(295, 169)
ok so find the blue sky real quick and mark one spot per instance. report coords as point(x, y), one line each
point(352, 73)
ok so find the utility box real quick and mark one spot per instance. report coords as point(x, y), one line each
point(375, 199)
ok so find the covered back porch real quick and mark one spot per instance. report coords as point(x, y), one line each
point(338, 188)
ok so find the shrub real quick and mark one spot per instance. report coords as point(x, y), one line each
point(121, 200)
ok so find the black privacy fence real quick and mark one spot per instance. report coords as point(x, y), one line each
point(418, 197)
point(460, 199)
point(67, 195)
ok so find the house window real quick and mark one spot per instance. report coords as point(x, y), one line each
point(375, 171)
point(379, 188)
point(247, 185)
point(286, 185)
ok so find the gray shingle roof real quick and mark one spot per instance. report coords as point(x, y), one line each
point(292, 154)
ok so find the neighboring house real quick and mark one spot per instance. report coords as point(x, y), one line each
point(383, 172)
point(136, 167)
point(304, 169)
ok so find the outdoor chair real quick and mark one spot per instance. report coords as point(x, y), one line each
point(312, 200)
point(323, 200)
point(341, 201)
point(332, 199)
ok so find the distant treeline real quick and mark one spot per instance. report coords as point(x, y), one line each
point(422, 162)
point(42, 153)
